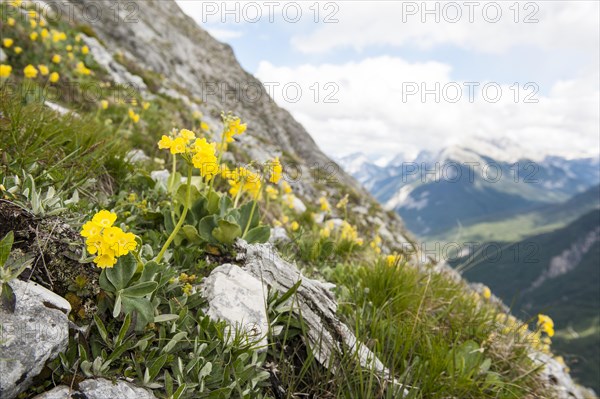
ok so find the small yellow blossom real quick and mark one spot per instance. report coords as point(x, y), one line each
point(272, 192)
point(145, 106)
point(82, 69)
point(205, 158)
point(165, 143)
point(285, 219)
point(187, 135)
point(276, 171)
point(85, 50)
point(33, 23)
point(245, 181)
point(33, 36)
point(294, 226)
point(233, 127)
point(133, 116)
point(54, 77)
point(5, 70)
point(325, 232)
point(343, 202)
point(56, 58)
point(546, 324)
point(7, 42)
point(325, 207)
point(187, 289)
point(44, 71)
point(42, 23)
point(44, 33)
point(18, 50)
point(30, 72)
point(391, 260)
point(104, 104)
point(11, 21)
point(204, 126)
point(178, 146)
point(16, 3)
point(487, 293)
point(287, 189)
point(78, 38)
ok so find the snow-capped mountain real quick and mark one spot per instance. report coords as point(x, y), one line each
point(462, 184)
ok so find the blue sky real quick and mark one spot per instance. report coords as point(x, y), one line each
point(377, 48)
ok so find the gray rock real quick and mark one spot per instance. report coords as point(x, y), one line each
point(137, 155)
point(99, 388)
point(555, 376)
point(2, 55)
point(278, 235)
point(118, 72)
point(238, 297)
point(36, 332)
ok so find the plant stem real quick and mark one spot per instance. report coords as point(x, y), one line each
point(181, 218)
point(252, 210)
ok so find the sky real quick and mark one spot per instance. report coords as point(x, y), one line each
point(398, 77)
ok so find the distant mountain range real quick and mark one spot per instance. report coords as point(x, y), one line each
point(465, 185)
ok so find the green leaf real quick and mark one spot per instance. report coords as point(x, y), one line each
point(140, 290)
point(181, 196)
point(122, 272)
point(224, 205)
point(156, 366)
point(213, 202)
point(5, 247)
point(258, 234)
point(245, 211)
point(191, 233)
point(150, 270)
point(174, 341)
point(227, 232)
point(205, 228)
point(101, 329)
point(143, 308)
point(123, 330)
point(105, 284)
point(117, 308)
point(198, 209)
point(8, 300)
point(165, 317)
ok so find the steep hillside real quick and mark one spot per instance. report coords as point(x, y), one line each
point(555, 273)
point(157, 241)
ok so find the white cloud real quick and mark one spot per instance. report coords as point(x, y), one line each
point(561, 24)
point(373, 116)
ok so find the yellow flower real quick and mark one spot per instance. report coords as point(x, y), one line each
point(343, 202)
point(5, 70)
point(287, 189)
point(133, 116)
point(103, 104)
point(325, 232)
point(204, 126)
point(233, 127)
point(44, 71)
point(30, 72)
point(78, 38)
point(276, 171)
point(16, 3)
point(165, 143)
point(42, 23)
point(90, 229)
point(18, 50)
point(246, 181)
point(33, 23)
point(487, 293)
point(69, 47)
point(285, 219)
point(324, 204)
point(124, 243)
point(7, 42)
point(105, 261)
point(33, 36)
point(82, 69)
point(187, 135)
point(145, 106)
point(85, 50)
point(294, 226)
point(349, 233)
point(54, 77)
point(272, 192)
point(111, 234)
point(187, 289)
point(58, 36)
point(11, 21)
point(44, 33)
point(104, 219)
point(56, 58)
point(205, 158)
point(178, 146)
point(546, 324)
point(390, 260)
point(289, 200)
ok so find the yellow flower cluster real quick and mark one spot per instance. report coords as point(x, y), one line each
point(106, 241)
point(487, 293)
point(203, 153)
point(276, 171)
point(546, 324)
point(242, 181)
point(135, 118)
point(343, 203)
point(233, 127)
point(325, 207)
point(5, 70)
point(392, 260)
point(349, 233)
point(376, 244)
